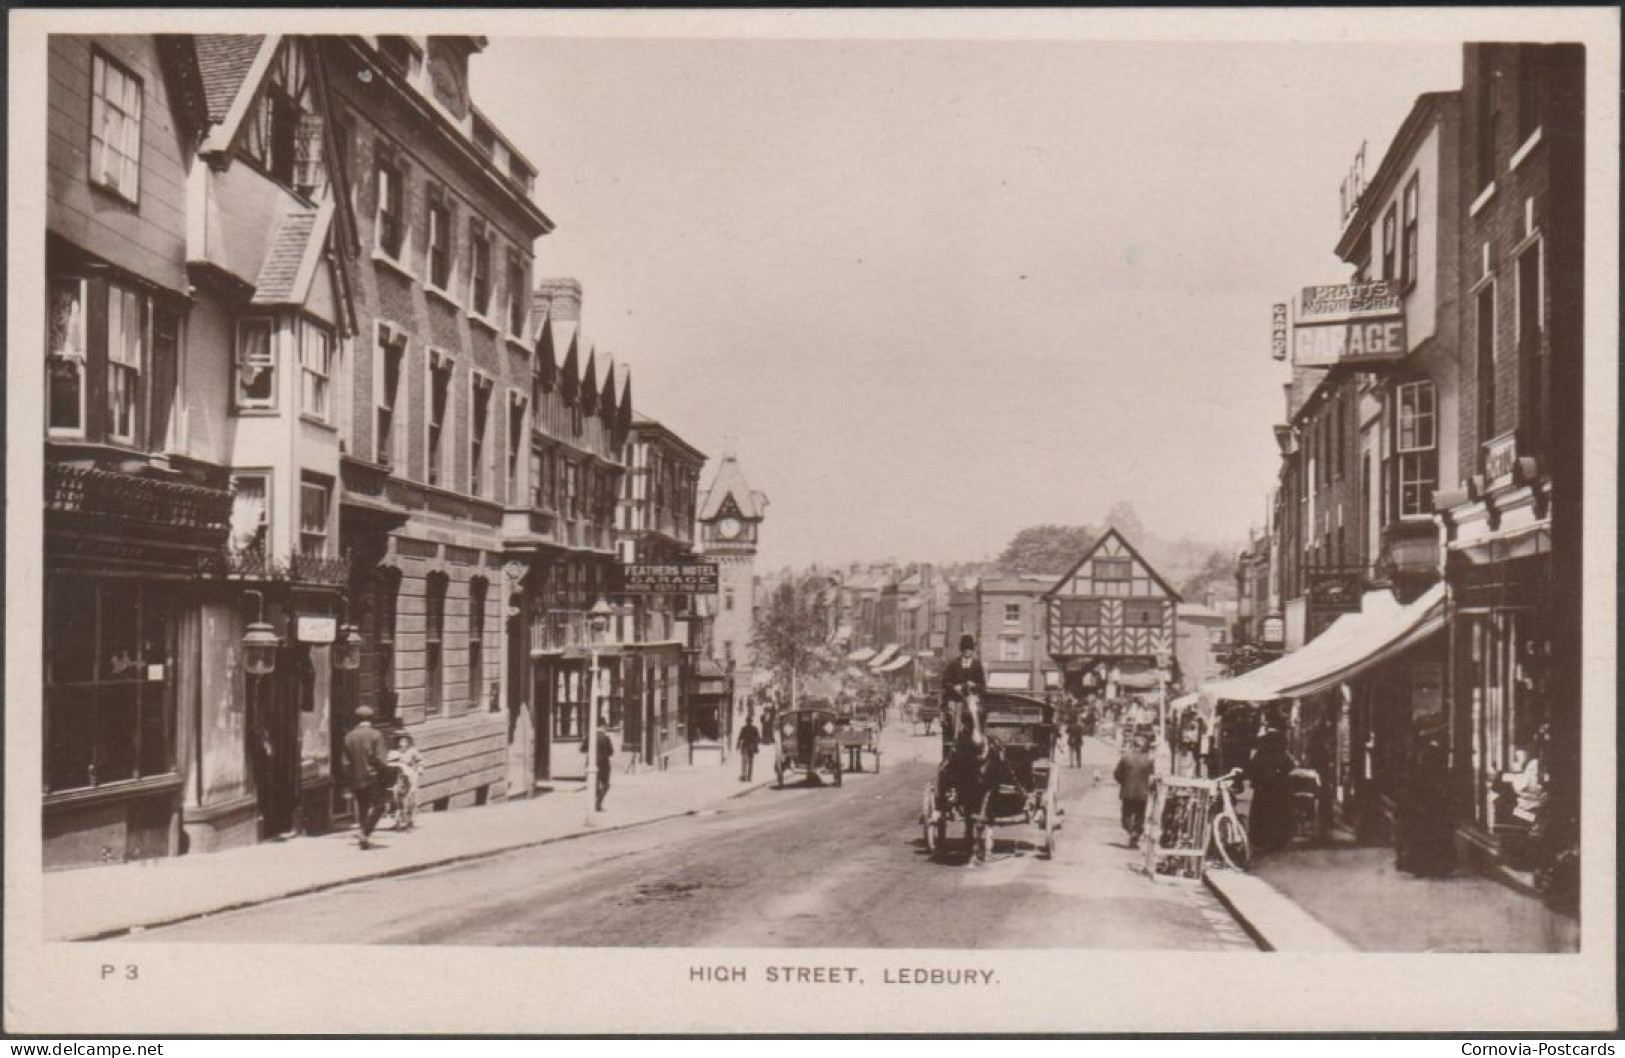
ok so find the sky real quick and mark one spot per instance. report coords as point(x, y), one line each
point(931, 292)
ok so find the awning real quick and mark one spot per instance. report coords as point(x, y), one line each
point(1355, 643)
point(1009, 681)
point(1138, 681)
point(884, 656)
point(895, 664)
point(861, 655)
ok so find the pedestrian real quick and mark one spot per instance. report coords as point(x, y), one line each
point(768, 716)
point(408, 765)
point(1269, 820)
point(368, 768)
point(1133, 775)
point(1422, 831)
point(750, 740)
point(606, 755)
point(1074, 741)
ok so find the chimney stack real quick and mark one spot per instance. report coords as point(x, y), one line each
point(559, 299)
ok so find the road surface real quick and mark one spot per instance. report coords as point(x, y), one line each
point(799, 867)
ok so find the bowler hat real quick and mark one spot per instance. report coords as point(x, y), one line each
point(967, 642)
point(364, 713)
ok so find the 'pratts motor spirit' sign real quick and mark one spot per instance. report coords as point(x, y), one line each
point(1350, 323)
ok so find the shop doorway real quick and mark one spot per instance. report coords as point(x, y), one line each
point(274, 740)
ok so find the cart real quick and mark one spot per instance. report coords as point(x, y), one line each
point(808, 742)
point(856, 739)
point(1021, 786)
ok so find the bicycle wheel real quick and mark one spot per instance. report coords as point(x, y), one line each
point(1231, 837)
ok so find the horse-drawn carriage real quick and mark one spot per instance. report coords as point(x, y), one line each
point(808, 742)
point(999, 771)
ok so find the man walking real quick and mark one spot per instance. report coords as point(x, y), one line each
point(365, 756)
point(750, 741)
point(1074, 741)
point(1133, 775)
point(606, 754)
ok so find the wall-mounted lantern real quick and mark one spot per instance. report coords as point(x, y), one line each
point(260, 643)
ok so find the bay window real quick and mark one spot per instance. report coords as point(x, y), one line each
point(1416, 449)
point(256, 364)
point(316, 368)
point(126, 344)
point(251, 512)
point(66, 354)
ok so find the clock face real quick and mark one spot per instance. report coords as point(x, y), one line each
point(729, 528)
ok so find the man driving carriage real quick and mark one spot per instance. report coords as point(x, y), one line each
point(961, 678)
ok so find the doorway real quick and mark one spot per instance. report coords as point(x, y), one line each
point(274, 740)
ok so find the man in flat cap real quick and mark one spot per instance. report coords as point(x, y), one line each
point(365, 756)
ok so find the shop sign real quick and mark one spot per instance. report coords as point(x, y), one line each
point(1273, 633)
point(1361, 342)
point(310, 629)
point(1348, 302)
point(1278, 329)
point(680, 578)
point(1500, 456)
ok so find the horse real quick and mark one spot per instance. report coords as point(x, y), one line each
point(968, 776)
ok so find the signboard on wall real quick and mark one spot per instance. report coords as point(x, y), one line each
point(1278, 331)
point(310, 629)
point(684, 578)
point(1349, 323)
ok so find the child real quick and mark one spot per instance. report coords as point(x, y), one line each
point(408, 763)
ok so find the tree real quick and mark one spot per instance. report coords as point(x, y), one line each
point(1123, 518)
point(1216, 570)
point(1047, 549)
point(789, 638)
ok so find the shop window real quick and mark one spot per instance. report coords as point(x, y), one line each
point(115, 128)
point(1410, 234)
point(126, 345)
point(256, 365)
point(108, 671)
point(479, 434)
point(391, 354)
point(440, 372)
point(477, 589)
point(434, 632)
point(1416, 449)
point(315, 502)
point(569, 704)
point(66, 354)
point(315, 369)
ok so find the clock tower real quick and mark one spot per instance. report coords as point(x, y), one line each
point(730, 517)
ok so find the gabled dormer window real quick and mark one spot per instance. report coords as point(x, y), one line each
point(284, 131)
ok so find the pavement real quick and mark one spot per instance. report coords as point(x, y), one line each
point(108, 901)
point(1348, 898)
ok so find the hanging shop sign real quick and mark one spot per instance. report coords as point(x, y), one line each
point(1349, 323)
point(1273, 633)
point(1278, 331)
point(678, 578)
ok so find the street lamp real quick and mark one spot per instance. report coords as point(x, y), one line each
point(260, 643)
point(598, 618)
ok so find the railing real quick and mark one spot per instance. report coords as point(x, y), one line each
point(86, 490)
point(256, 565)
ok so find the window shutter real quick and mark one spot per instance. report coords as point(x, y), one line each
point(165, 354)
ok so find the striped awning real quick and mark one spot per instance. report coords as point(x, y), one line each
point(884, 657)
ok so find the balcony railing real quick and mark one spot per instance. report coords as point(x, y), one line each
point(144, 501)
point(256, 565)
point(558, 630)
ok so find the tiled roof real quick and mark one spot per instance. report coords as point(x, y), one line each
point(280, 269)
point(223, 60)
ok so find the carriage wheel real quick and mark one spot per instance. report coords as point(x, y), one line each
point(931, 822)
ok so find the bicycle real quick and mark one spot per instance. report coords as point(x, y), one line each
point(1228, 831)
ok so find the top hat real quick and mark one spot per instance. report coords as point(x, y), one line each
point(364, 713)
point(967, 642)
